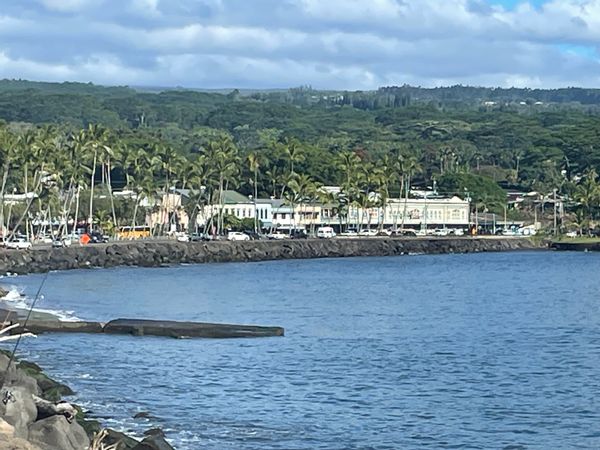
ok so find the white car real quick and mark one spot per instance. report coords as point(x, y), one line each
point(278, 235)
point(45, 239)
point(18, 244)
point(182, 237)
point(527, 231)
point(367, 232)
point(237, 236)
point(325, 233)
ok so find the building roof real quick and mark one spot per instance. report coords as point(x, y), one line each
point(233, 198)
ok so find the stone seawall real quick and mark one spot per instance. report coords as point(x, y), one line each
point(157, 253)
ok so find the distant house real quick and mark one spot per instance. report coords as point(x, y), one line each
point(237, 205)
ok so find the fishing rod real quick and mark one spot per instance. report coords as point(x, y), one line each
point(7, 395)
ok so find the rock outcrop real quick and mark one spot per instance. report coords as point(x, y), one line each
point(27, 417)
point(157, 253)
point(55, 432)
point(32, 417)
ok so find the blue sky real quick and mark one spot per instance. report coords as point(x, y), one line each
point(338, 44)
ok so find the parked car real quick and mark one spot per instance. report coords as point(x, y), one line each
point(298, 234)
point(254, 236)
point(384, 233)
point(571, 234)
point(182, 237)
point(407, 232)
point(237, 236)
point(97, 238)
point(18, 244)
point(325, 232)
point(457, 232)
point(45, 239)
point(509, 232)
point(197, 237)
point(60, 243)
point(367, 232)
point(278, 235)
point(441, 232)
point(527, 231)
point(348, 234)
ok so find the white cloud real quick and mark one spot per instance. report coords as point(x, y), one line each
point(327, 43)
point(145, 7)
point(69, 5)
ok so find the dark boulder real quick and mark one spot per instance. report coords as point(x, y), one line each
point(118, 439)
point(154, 442)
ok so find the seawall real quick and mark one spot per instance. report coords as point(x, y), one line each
point(592, 246)
point(157, 253)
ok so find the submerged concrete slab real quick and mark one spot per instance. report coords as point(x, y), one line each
point(188, 329)
point(136, 327)
point(49, 326)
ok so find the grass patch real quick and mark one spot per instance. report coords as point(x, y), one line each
point(578, 240)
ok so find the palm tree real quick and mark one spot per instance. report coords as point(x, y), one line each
point(200, 180)
point(298, 193)
point(254, 164)
point(348, 163)
point(93, 141)
point(223, 155)
point(274, 175)
point(409, 167)
point(587, 192)
point(386, 174)
point(8, 154)
point(293, 152)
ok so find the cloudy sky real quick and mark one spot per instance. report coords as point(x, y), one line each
point(342, 44)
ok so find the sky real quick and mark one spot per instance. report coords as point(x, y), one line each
point(327, 44)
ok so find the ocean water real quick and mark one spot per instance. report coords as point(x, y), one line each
point(449, 351)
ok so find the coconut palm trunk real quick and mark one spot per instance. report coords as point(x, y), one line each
point(110, 193)
point(92, 177)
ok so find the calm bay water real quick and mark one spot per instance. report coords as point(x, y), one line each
point(450, 351)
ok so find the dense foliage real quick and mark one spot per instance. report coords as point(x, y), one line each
point(285, 143)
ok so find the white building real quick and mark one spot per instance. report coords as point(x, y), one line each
point(419, 213)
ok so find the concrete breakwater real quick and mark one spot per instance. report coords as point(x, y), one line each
point(137, 327)
point(591, 246)
point(157, 253)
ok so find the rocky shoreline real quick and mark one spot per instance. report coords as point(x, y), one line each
point(33, 416)
point(158, 253)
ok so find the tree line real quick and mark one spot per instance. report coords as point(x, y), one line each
point(271, 146)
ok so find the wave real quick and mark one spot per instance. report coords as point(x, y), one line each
point(16, 300)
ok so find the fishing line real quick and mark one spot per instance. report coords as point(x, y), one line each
point(12, 356)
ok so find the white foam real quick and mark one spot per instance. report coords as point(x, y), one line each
point(15, 299)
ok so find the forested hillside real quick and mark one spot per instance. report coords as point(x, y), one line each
point(529, 139)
